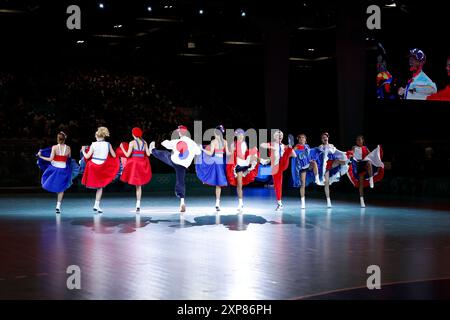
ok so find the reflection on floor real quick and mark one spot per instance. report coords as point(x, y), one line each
point(261, 254)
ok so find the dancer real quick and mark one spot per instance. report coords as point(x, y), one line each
point(180, 158)
point(384, 80)
point(279, 160)
point(59, 170)
point(211, 167)
point(137, 170)
point(102, 165)
point(331, 164)
point(304, 167)
point(243, 167)
point(420, 86)
point(365, 168)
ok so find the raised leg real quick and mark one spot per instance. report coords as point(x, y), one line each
point(164, 156)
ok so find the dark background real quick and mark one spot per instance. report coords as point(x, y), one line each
point(302, 66)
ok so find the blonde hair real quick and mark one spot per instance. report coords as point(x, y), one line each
point(102, 132)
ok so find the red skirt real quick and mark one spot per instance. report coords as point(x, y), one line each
point(283, 164)
point(137, 171)
point(100, 175)
point(249, 178)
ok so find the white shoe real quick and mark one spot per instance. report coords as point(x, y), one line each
point(138, 210)
point(279, 207)
point(217, 208)
point(97, 209)
point(303, 206)
point(240, 208)
point(183, 208)
point(363, 205)
point(151, 146)
point(329, 203)
point(371, 182)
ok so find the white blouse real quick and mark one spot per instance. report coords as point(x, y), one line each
point(101, 150)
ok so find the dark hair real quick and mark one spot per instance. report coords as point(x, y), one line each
point(360, 136)
point(61, 137)
point(325, 134)
point(301, 135)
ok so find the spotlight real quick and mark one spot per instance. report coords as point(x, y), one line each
point(243, 14)
point(80, 41)
point(311, 49)
point(200, 11)
point(117, 26)
point(391, 5)
point(101, 5)
point(149, 9)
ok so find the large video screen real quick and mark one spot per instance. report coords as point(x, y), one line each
point(412, 76)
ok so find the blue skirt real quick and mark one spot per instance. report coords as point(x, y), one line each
point(57, 179)
point(211, 170)
point(299, 164)
point(334, 173)
point(264, 173)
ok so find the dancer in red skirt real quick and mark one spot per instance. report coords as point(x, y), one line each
point(102, 165)
point(137, 170)
point(243, 166)
point(365, 167)
point(279, 155)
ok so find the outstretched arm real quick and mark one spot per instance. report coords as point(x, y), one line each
point(211, 148)
point(89, 153)
point(111, 151)
point(127, 153)
point(147, 150)
point(169, 144)
point(49, 159)
point(227, 149)
point(266, 145)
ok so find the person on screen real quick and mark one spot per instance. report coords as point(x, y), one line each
point(384, 80)
point(420, 86)
point(444, 94)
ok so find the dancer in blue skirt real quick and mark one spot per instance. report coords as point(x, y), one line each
point(58, 169)
point(211, 164)
point(304, 167)
point(332, 164)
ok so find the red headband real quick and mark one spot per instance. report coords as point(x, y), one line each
point(137, 132)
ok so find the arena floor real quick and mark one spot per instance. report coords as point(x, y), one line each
point(261, 254)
